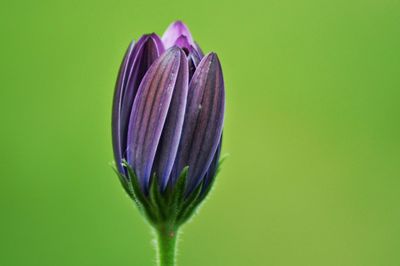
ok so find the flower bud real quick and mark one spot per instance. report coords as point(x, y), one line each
point(167, 123)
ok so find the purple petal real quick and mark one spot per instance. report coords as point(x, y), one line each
point(119, 88)
point(183, 43)
point(174, 31)
point(137, 60)
point(159, 43)
point(149, 112)
point(193, 61)
point(213, 166)
point(168, 146)
point(203, 123)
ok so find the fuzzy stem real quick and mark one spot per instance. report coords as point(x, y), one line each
point(166, 245)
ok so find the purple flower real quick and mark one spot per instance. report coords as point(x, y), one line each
point(168, 111)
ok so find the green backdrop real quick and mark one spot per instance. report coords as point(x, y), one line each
point(312, 128)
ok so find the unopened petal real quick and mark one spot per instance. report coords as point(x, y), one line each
point(193, 61)
point(149, 113)
point(137, 61)
point(174, 31)
point(168, 146)
point(116, 110)
point(203, 123)
point(212, 170)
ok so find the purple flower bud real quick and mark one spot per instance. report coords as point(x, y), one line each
point(168, 110)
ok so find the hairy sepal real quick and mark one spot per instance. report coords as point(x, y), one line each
point(169, 207)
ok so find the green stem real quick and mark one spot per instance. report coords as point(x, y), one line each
point(166, 245)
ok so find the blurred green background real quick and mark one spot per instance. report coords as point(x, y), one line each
point(312, 126)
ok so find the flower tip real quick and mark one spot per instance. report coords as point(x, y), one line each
point(149, 37)
point(174, 31)
point(212, 58)
point(178, 23)
point(153, 39)
point(179, 27)
point(152, 35)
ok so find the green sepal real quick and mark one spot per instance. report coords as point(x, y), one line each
point(157, 200)
point(139, 197)
point(167, 203)
point(197, 197)
point(171, 207)
point(190, 205)
point(125, 183)
point(176, 197)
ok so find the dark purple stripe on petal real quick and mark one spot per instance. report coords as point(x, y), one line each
point(136, 63)
point(193, 61)
point(213, 166)
point(147, 54)
point(171, 134)
point(204, 115)
point(149, 113)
